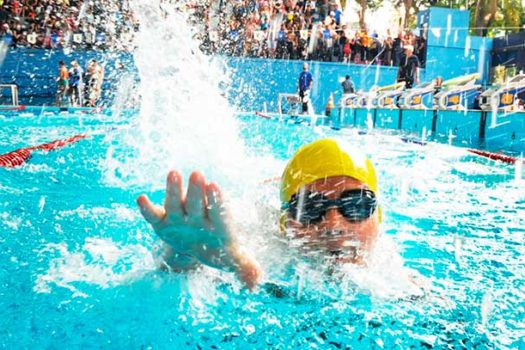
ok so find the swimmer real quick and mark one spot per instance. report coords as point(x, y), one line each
point(329, 204)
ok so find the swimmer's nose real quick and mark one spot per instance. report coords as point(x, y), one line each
point(334, 219)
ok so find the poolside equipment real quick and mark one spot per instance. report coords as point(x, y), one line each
point(293, 103)
point(348, 100)
point(371, 99)
point(366, 99)
point(459, 93)
point(504, 97)
point(20, 156)
point(329, 105)
point(419, 97)
point(388, 98)
point(13, 88)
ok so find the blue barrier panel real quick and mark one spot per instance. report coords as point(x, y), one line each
point(364, 118)
point(458, 127)
point(347, 117)
point(448, 27)
point(414, 121)
point(257, 81)
point(451, 52)
point(35, 72)
point(387, 118)
point(505, 132)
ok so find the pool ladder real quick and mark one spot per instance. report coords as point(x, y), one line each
point(14, 92)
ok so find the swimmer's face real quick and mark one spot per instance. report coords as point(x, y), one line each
point(344, 240)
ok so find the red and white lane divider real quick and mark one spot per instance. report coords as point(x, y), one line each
point(15, 108)
point(20, 156)
point(262, 115)
point(495, 156)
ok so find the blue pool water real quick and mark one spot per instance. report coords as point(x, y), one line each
point(77, 269)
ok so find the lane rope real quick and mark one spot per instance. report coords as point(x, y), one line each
point(20, 156)
point(494, 156)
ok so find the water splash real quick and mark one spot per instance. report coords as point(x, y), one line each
point(184, 121)
point(94, 264)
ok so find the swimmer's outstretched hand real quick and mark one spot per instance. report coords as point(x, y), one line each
point(198, 226)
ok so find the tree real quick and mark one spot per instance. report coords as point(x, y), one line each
point(363, 6)
point(415, 5)
point(484, 15)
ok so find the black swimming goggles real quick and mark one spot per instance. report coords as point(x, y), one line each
point(311, 207)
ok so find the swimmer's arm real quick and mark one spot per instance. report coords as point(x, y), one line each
point(176, 262)
point(198, 229)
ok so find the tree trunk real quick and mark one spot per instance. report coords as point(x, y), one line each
point(406, 19)
point(361, 13)
point(485, 15)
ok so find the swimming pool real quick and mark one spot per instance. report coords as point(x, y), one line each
point(77, 269)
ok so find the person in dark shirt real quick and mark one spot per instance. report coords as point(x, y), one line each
point(348, 85)
point(397, 50)
point(387, 52)
point(304, 86)
point(76, 84)
point(409, 68)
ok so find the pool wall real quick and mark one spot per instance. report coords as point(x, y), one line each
point(35, 71)
point(476, 129)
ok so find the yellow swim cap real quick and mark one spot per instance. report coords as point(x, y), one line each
point(321, 159)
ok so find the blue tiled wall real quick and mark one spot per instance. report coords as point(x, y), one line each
point(451, 51)
point(475, 129)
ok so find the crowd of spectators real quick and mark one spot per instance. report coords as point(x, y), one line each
point(66, 23)
point(297, 29)
point(284, 29)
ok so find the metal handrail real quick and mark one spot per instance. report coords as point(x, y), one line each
point(14, 92)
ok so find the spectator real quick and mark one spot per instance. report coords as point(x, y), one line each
point(409, 70)
point(348, 85)
point(287, 29)
point(304, 87)
point(387, 52)
point(62, 83)
point(95, 77)
point(76, 84)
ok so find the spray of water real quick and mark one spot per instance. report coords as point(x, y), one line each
point(184, 120)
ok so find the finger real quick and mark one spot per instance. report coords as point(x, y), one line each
point(248, 269)
point(195, 203)
point(217, 210)
point(152, 213)
point(173, 199)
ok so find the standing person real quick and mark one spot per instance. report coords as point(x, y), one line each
point(76, 84)
point(397, 50)
point(348, 85)
point(62, 83)
point(96, 77)
point(387, 52)
point(304, 86)
point(409, 68)
point(89, 81)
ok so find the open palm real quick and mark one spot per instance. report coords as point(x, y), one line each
point(198, 224)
